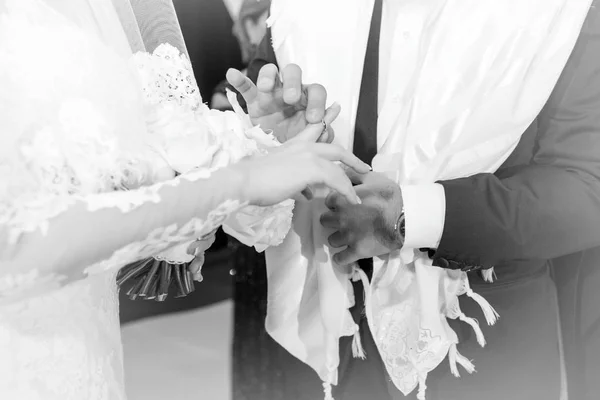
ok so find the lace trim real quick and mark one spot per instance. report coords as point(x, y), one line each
point(64, 163)
point(163, 238)
point(166, 75)
point(408, 349)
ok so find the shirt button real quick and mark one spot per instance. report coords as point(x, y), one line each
point(406, 35)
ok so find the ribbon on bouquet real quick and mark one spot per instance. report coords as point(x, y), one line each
point(154, 278)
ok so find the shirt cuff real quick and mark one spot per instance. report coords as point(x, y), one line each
point(424, 213)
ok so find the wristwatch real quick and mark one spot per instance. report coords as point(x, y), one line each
point(400, 226)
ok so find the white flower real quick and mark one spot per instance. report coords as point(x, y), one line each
point(181, 137)
point(235, 145)
point(261, 227)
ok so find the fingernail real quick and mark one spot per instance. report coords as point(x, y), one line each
point(263, 82)
point(313, 115)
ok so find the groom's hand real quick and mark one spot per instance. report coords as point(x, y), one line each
point(367, 229)
point(282, 104)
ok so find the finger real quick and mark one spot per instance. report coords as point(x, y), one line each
point(242, 84)
point(310, 134)
point(314, 132)
point(327, 136)
point(338, 239)
point(332, 152)
point(332, 113)
point(268, 78)
point(333, 200)
point(330, 220)
point(345, 257)
point(308, 194)
point(292, 84)
point(333, 177)
point(355, 177)
point(316, 101)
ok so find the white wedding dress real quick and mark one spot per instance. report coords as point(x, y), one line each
point(72, 133)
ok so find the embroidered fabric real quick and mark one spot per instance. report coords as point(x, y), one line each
point(74, 164)
point(167, 75)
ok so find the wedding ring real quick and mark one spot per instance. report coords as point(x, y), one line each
point(324, 125)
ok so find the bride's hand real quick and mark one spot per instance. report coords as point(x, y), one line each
point(293, 167)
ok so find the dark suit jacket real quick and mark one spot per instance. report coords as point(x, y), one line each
point(544, 203)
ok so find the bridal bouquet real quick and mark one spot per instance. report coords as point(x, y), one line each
point(188, 136)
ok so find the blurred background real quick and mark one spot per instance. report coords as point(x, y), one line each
point(182, 348)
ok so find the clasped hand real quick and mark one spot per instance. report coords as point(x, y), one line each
point(287, 106)
point(367, 229)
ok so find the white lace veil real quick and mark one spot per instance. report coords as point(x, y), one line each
point(148, 23)
point(39, 79)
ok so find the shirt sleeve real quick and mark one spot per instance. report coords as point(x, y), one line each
point(424, 212)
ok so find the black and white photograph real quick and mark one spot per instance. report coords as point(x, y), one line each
point(299, 199)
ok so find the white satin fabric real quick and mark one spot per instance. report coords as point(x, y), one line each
point(483, 73)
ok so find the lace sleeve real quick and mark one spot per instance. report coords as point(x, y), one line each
point(99, 232)
point(169, 89)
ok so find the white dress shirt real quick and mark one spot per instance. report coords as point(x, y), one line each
point(401, 34)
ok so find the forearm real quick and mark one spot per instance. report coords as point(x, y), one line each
point(538, 212)
point(79, 237)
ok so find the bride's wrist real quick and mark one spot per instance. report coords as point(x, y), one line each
point(234, 179)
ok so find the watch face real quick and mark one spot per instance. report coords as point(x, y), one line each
point(400, 226)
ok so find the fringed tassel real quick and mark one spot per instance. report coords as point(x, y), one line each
point(359, 275)
point(454, 357)
point(422, 387)
point(475, 325)
point(491, 316)
point(327, 391)
point(489, 275)
point(357, 348)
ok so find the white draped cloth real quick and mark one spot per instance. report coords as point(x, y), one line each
point(484, 71)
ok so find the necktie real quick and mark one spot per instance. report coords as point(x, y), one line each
point(353, 372)
point(365, 132)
